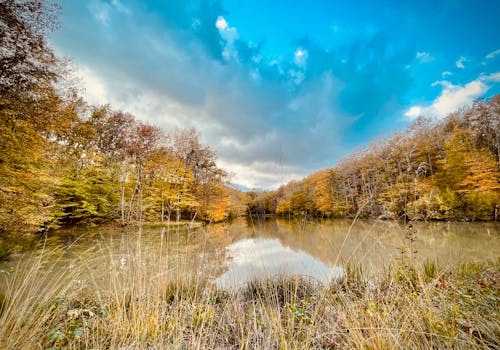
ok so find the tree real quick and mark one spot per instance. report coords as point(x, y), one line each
point(208, 179)
point(28, 66)
point(323, 191)
point(143, 142)
point(484, 118)
point(29, 113)
point(453, 167)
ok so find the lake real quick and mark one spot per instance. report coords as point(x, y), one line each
point(231, 254)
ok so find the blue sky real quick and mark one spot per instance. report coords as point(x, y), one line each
point(281, 88)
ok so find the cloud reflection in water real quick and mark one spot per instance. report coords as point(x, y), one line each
point(258, 257)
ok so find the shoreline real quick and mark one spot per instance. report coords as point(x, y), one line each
point(421, 308)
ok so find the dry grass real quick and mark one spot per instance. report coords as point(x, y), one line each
point(135, 307)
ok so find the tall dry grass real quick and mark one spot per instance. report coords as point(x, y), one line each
point(102, 301)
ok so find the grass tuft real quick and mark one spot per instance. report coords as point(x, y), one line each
point(279, 290)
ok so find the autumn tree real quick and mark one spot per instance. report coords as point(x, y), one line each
point(90, 161)
point(144, 139)
point(29, 112)
point(484, 118)
point(28, 66)
point(208, 179)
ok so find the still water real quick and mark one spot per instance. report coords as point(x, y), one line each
point(231, 254)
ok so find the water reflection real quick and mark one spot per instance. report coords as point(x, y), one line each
point(230, 254)
point(376, 244)
point(253, 258)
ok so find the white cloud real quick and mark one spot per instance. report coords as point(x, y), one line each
point(493, 77)
point(444, 83)
point(414, 112)
point(454, 97)
point(446, 73)
point(94, 87)
point(424, 57)
point(493, 54)
point(300, 57)
point(260, 175)
point(230, 35)
point(460, 62)
point(221, 23)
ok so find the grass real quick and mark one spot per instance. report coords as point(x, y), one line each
point(146, 303)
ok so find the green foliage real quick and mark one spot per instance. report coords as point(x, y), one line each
point(480, 205)
point(448, 204)
point(92, 196)
point(430, 269)
point(25, 182)
point(353, 281)
point(453, 166)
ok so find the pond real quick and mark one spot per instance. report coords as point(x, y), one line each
point(233, 253)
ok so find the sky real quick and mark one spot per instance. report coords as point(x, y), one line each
point(280, 89)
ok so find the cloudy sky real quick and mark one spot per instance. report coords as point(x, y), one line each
point(282, 88)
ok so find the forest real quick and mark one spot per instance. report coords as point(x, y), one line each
point(435, 170)
point(65, 162)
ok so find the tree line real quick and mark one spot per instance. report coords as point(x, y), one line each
point(436, 169)
point(63, 161)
